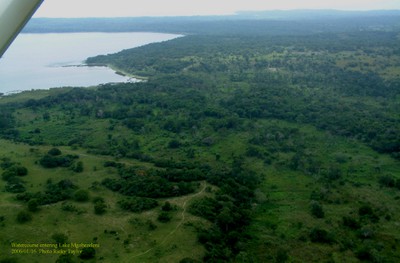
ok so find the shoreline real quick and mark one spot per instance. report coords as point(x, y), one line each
point(131, 79)
point(118, 71)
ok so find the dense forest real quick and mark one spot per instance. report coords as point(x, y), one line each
point(247, 141)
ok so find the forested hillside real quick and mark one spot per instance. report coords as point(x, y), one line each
point(239, 146)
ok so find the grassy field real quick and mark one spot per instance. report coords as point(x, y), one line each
point(281, 217)
point(283, 221)
point(122, 236)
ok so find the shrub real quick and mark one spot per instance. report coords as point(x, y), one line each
point(67, 258)
point(8, 260)
point(167, 206)
point(81, 195)
point(21, 170)
point(79, 167)
point(281, 256)
point(387, 181)
point(188, 260)
point(23, 217)
point(68, 207)
point(365, 254)
point(350, 222)
point(87, 253)
point(174, 144)
point(366, 233)
point(164, 217)
point(49, 161)
point(33, 205)
point(320, 236)
point(137, 204)
point(150, 225)
point(366, 212)
point(13, 171)
point(100, 208)
point(317, 210)
point(99, 205)
point(54, 152)
point(7, 175)
point(59, 238)
point(15, 187)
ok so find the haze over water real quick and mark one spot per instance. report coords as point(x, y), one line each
point(43, 61)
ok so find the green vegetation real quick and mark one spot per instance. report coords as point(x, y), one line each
point(242, 146)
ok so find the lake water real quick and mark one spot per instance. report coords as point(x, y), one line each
point(43, 61)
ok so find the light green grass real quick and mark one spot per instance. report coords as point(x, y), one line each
point(169, 242)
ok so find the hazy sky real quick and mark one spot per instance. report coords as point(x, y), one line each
point(118, 8)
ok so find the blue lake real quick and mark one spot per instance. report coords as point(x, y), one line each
point(43, 61)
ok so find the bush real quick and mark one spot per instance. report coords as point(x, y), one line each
point(366, 212)
point(33, 205)
point(8, 260)
point(164, 217)
point(350, 222)
point(87, 253)
point(67, 258)
point(79, 167)
point(281, 256)
point(54, 152)
point(320, 236)
point(7, 175)
point(81, 195)
point(21, 170)
point(365, 254)
point(13, 171)
point(59, 238)
point(387, 181)
point(49, 161)
point(15, 187)
point(99, 205)
point(150, 225)
point(174, 144)
point(317, 210)
point(23, 217)
point(68, 207)
point(137, 204)
point(366, 233)
point(100, 208)
point(188, 260)
point(167, 206)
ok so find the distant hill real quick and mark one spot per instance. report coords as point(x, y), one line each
point(260, 22)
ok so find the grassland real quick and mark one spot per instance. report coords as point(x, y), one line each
point(122, 236)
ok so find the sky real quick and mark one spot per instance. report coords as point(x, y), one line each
point(137, 8)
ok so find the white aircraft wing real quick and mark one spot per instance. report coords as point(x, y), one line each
point(14, 14)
